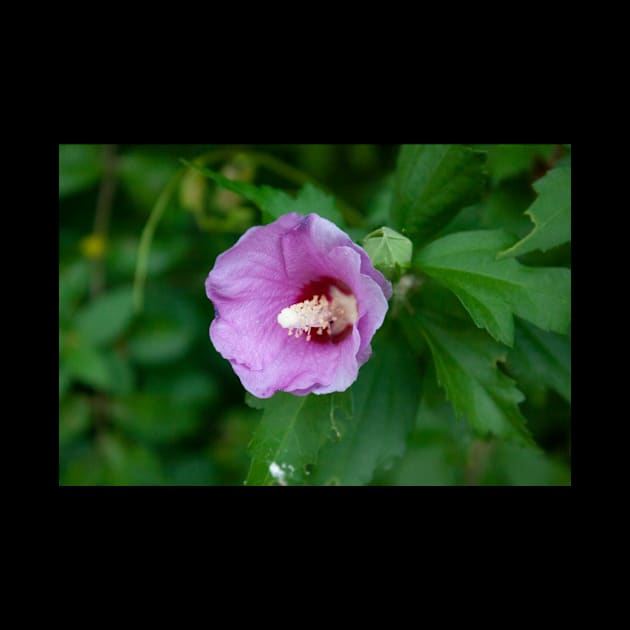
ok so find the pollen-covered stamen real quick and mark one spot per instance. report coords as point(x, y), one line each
point(330, 316)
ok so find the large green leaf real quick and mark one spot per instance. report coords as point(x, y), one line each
point(432, 183)
point(541, 358)
point(385, 402)
point(437, 449)
point(550, 213)
point(504, 207)
point(80, 167)
point(293, 429)
point(492, 290)
point(274, 203)
point(466, 366)
point(107, 317)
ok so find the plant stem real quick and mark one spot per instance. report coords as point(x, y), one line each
point(144, 248)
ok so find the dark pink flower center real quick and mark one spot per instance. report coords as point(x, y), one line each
point(325, 311)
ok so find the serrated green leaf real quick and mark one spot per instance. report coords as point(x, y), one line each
point(106, 318)
point(542, 358)
point(312, 199)
point(385, 401)
point(466, 366)
point(436, 452)
point(492, 290)
point(504, 206)
point(80, 167)
point(550, 213)
point(389, 251)
point(293, 429)
point(274, 203)
point(432, 183)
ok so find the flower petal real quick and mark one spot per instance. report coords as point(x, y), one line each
point(263, 273)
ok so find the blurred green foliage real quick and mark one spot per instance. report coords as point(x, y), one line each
point(143, 396)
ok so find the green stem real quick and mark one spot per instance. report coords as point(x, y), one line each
point(144, 248)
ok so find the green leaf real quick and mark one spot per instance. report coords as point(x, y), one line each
point(432, 183)
point(377, 208)
point(155, 418)
point(312, 199)
point(192, 470)
point(504, 206)
point(80, 167)
point(541, 358)
point(74, 281)
point(74, 419)
point(64, 381)
point(159, 341)
point(167, 327)
point(122, 376)
point(509, 160)
point(88, 366)
point(492, 290)
point(550, 213)
point(122, 255)
point(274, 203)
point(293, 429)
point(183, 386)
point(466, 366)
point(144, 175)
point(385, 402)
point(517, 466)
point(106, 318)
point(254, 402)
point(128, 464)
point(389, 251)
